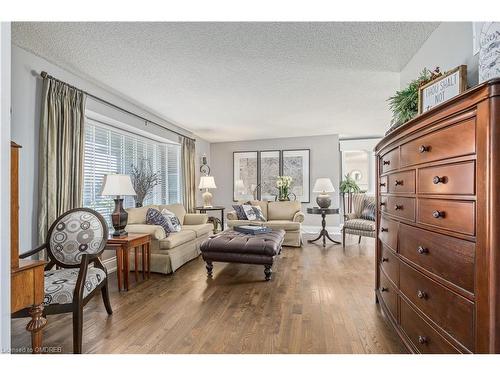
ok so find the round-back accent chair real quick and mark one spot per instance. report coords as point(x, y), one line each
point(74, 241)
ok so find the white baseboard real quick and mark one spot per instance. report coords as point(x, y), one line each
point(110, 264)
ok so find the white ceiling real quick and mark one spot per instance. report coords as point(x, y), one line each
point(235, 81)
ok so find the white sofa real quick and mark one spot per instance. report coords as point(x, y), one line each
point(279, 215)
point(168, 253)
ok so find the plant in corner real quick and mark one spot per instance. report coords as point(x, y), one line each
point(349, 185)
point(143, 180)
point(404, 104)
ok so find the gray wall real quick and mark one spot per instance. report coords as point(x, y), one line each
point(26, 97)
point(324, 163)
point(5, 186)
point(449, 46)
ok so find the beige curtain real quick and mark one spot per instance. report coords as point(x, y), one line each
point(188, 174)
point(60, 174)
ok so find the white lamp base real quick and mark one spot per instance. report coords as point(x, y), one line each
point(207, 199)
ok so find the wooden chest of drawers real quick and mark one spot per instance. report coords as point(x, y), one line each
point(438, 223)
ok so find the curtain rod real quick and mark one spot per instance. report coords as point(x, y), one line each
point(44, 74)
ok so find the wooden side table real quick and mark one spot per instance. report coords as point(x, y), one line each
point(122, 246)
point(27, 290)
point(323, 234)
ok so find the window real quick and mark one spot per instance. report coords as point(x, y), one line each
point(110, 150)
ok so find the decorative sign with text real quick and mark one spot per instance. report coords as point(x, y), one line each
point(442, 89)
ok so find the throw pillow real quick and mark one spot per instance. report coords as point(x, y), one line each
point(259, 215)
point(249, 212)
point(368, 212)
point(154, 217)
point(173, 221)
point(240, 212)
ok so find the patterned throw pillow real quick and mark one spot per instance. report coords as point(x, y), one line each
point(154, 217)
point(368, 212)
point(240, 212)
point(249, 212)
point(173, 221)
point(259, 215)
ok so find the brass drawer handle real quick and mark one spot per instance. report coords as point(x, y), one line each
point(382, 184)
point(422, 340)
point(382, 204)
point(384, 289)
point(398, 207)
point(385, 259)
point(382, 229)
point(386, 162)
point(398, 182)
point(422, 250)
point(423, 149)
point(421, 295)
point(436, 180)
point(438, 214)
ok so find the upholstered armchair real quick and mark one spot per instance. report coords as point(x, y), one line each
point(74, 242)
point(354, 223)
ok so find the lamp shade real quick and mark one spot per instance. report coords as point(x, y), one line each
point(323, 185)
point(207, 182)
point(117, 184)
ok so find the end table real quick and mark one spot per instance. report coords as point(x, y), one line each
point(323, 233)
point(214, 220)
point(122, 245)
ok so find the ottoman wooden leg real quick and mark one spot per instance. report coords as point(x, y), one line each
point(268, 271)
point(209, 267)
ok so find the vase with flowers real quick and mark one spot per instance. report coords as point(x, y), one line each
point(283, 183)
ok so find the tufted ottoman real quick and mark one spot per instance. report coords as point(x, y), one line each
point(235, 247)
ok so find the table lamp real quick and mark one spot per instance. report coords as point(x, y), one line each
point(323, 186)
point(207, 182)
point(118, 185)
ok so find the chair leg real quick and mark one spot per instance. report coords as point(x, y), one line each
point(105, 297)
point(77, 329)
point(343, 238)
point(359, 241)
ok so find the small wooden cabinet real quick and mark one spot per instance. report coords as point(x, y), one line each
point(438, 224)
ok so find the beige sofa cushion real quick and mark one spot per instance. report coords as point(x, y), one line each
point(195, 219)
point(283, 224)
point(156, 231)
point(138, 215)
point(178, 238)
point(282, 210)
point(178, 209)
point(199, 229)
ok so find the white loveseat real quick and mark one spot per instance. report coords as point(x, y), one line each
point(170, 252)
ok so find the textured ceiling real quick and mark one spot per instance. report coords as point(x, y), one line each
point(233, 81)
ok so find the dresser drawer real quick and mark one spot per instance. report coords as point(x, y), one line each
point(401, 207)
point(449, 142)
point(448, 257)
point(425, 338)
point(457, 216)
point(383, 184)
point(401, 182)
point(450, 311)
point(389, 262)
point(456, 179)
point(388, 232)
point(389, 161)
point(389, 294)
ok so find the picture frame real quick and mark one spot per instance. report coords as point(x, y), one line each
point(443, 88)
point(297, 164)
point(245, 174)
point(269, 170)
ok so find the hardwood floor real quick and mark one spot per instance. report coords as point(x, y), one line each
point(319, 301)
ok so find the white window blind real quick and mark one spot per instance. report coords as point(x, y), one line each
point(109, 150)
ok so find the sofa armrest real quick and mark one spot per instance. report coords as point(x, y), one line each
point(298, 217)
point(156, 231)
point(195, 219)
point(231, 215)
